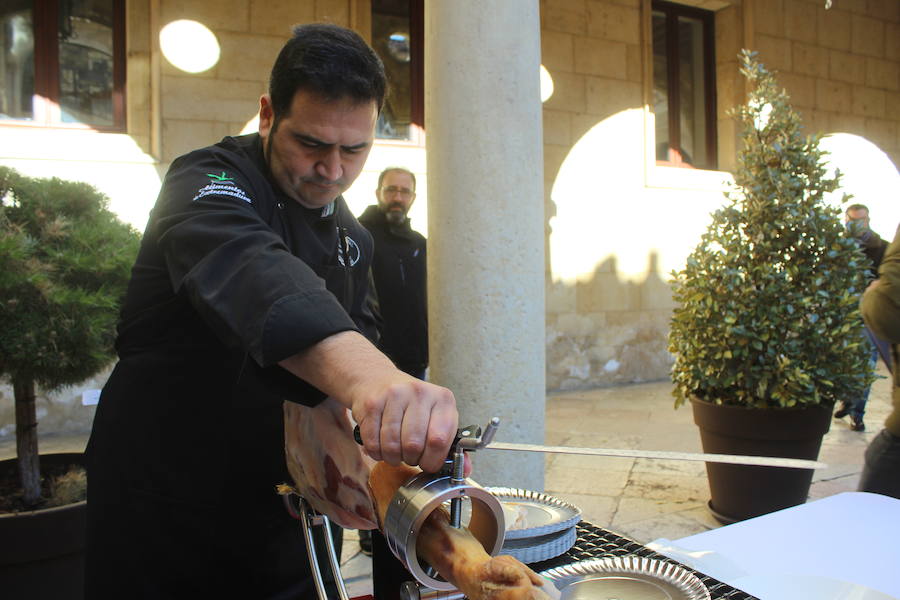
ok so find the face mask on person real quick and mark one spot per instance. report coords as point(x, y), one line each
point(858, 229)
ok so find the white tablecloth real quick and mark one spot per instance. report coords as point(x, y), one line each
point(845, 546)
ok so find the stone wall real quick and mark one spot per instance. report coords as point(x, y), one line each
point(69, 409)
point(841, 66)
point(618, 224)
point(608, 302)
point(202, 108)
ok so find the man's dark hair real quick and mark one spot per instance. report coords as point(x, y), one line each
point(856, 207)
point(330, 61)
point(402, 170)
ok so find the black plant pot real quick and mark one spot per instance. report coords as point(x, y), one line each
point(739, 492)
point(42, 551)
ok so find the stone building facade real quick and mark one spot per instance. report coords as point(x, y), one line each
point(617, 220)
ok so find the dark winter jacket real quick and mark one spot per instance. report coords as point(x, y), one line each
point(398, 268)
point(881, 311)
point(232, 277)
point(874, 248)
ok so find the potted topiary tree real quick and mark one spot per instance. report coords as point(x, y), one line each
point(767, 333)
point(64, 267)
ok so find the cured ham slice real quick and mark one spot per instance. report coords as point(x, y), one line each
point(455, 553)
point(328, 467)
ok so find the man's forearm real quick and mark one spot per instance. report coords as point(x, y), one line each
point(401, 418)
point(338, 364)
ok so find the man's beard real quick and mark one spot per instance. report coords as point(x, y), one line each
point(394, 213)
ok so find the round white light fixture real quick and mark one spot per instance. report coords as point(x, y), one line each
point(546, 84)
point(189, 45)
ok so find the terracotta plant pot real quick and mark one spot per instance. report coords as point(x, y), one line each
point(42, 553)
point(739, 492)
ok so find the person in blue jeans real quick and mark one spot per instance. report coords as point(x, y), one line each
point(856, 219)
point(856, 408)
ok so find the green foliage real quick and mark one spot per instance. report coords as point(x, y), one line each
point(767, 305)
point(64, 266)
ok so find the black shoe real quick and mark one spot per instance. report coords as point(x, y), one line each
point(843, 411)
point(365, 541)
point(856, 424)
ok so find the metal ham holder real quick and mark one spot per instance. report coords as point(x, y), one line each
point(311, 519)
point(415, 500)
point(411, 505)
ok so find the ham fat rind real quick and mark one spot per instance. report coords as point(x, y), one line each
point(328, 467)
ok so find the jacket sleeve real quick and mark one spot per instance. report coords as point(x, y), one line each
point(881, 303)
point(235, 270)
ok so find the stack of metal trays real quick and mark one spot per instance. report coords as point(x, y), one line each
point(538, 526)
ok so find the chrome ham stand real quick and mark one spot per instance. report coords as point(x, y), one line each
point(411, 505)
point(415, 500)
point(311, 521)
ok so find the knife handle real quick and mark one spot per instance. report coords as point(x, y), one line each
point(472, 430)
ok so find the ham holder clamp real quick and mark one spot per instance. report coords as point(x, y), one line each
point(426, 492)
point(410, 506)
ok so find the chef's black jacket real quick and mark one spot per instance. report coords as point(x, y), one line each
point(187, 444)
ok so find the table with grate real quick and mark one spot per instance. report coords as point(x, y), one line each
point(595, 542)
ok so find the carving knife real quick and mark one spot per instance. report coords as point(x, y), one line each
point(734, 459)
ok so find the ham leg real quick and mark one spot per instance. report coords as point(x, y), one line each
point(333, 474)
point(328, 467)
point(455, 553)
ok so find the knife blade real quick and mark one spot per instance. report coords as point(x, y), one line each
point(734, 459)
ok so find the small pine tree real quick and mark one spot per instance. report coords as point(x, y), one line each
point(767, 304)
point(64, 266)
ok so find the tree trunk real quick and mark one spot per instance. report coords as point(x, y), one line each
point(27, 441)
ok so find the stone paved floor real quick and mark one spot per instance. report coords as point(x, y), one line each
point(638, 498)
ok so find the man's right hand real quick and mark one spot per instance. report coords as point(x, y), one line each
point(401, 418)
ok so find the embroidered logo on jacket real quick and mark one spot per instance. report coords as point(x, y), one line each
point(351, 248)
point(222, 185)
point(222, 177)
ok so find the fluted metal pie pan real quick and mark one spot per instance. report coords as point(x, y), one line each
point(626, 578)
point(544, 514)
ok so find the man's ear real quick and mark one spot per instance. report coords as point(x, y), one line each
point(266, 115)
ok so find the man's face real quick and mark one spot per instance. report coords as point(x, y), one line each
point(396, 195)
point(857, 219)
point(317, 150)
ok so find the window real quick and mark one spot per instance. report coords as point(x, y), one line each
point(62, 63)
point(684, 99)
point(397, 27)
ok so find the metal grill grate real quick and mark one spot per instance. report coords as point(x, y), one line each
point(595, 542)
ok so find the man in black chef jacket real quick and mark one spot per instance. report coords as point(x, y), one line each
point(249, 289)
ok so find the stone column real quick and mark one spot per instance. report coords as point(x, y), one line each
point(486, 222)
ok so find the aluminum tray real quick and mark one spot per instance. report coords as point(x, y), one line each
point(544, 514)
point(532, 550)
point(626, 578)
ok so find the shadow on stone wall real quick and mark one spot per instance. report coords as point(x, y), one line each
point(617, 332)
